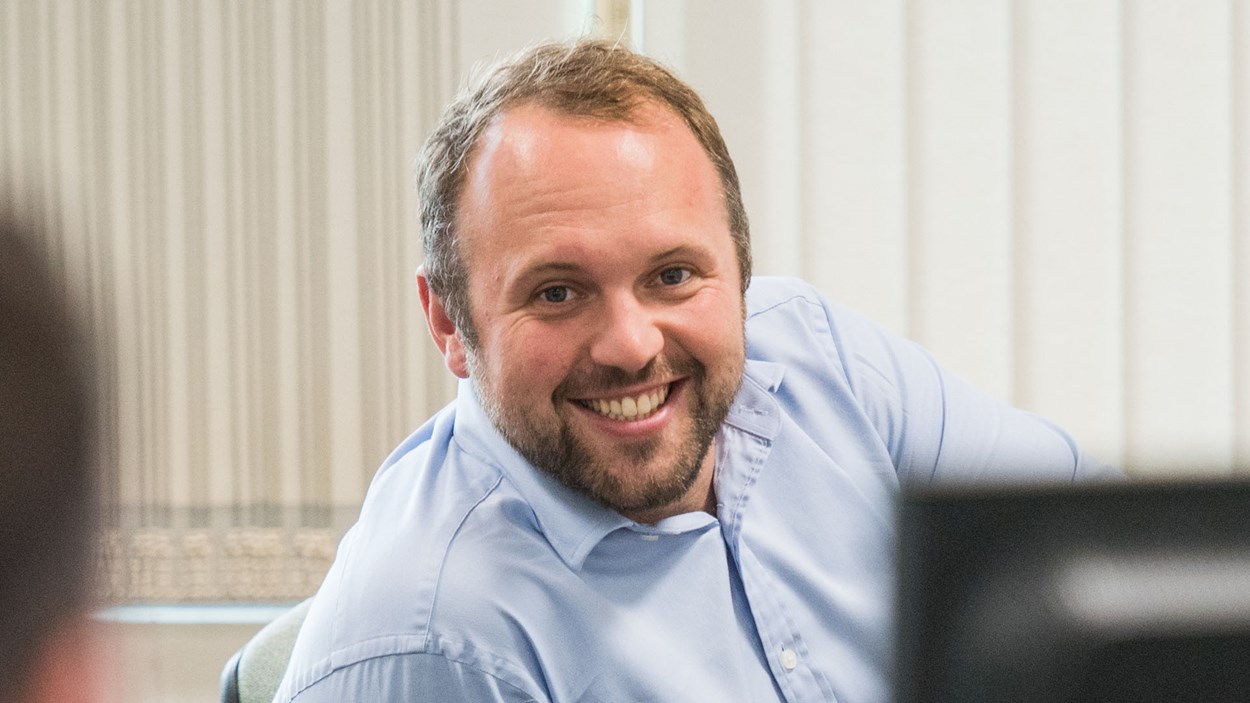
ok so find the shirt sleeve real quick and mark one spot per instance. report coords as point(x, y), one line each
point(411, 678)
point(940, 428)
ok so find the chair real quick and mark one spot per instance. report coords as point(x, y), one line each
point(254, 673)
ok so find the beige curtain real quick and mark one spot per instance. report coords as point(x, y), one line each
point(1052, 195)
point(232, 184)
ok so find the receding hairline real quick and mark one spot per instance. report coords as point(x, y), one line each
point(589, 78)
point(650, 112)
point(646, 113)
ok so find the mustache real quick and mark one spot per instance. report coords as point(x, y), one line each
point(603, 380)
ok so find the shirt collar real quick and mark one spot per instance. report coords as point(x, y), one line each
point(755, 410)
point(572, 523)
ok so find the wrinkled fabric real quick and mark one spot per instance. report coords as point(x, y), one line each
point(472, 576)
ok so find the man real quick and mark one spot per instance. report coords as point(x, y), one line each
point(651, 486)
point(47, 500)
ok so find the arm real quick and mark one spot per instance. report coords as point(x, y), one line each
point(415, 677)
point(939, 427)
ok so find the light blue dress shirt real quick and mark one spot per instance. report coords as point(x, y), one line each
point(472, 576)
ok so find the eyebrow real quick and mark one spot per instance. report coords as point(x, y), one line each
point(679, 249)
point(569, 267)
point(551, 267)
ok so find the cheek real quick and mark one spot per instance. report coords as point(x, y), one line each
point(714, 330)
point(532, 362)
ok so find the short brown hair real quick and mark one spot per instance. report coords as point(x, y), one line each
point(584, 77)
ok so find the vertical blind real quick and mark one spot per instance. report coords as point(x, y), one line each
point(1052, 195)
point(231, 185)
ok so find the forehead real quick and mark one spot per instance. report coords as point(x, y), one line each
point(531, 155)
point(545, 186)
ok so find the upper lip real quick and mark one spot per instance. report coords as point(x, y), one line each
point(626, 392)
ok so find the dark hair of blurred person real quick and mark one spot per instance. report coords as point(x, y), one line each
point(48, 649)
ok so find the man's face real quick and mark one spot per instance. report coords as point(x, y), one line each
point(605, 291)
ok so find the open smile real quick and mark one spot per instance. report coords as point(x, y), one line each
point(631, 407)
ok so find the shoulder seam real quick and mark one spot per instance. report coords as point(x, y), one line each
point(779, 303)
point(443, 562)
point(839, 358)
point(423, 652)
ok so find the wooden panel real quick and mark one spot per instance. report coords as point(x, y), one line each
point(317, 418)
point(340, 271)
point(265, 311)
point(853, 150)
point(664, 34)
point(93, 84)
point(285, 270)
point(743, 59)
point(959, 169)
point(485, 30)
point(209, 179)
point(65, 54)
point(1178, 286)
point(181, 239)
point(370, 66)
point(1067, 210)
point(10, 84)
point(387, 258)
point(121, 225)
point(780, 171)
point(1241, 222)
point(429, 51)
point(414, 359)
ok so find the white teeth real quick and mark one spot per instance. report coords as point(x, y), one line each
point(637, 407)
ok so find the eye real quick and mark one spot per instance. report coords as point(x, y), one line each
point(674, 276)
point(554, 294)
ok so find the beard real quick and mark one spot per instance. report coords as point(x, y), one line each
point(622, 477)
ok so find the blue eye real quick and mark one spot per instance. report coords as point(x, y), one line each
point(555, 294)
point(674, 276)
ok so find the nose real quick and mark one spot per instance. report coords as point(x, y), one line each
point(629, 335)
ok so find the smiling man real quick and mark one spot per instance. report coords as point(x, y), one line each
point(662, 479)
point(606, 304)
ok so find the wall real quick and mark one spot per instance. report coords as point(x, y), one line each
point(232, 180)
point(1051, 195)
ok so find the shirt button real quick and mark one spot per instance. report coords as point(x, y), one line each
point(789, 659)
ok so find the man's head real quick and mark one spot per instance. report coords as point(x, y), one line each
point(584, 78)
point(587, 262)
point(46, 483)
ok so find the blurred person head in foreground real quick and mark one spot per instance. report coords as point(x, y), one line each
point(47, 483)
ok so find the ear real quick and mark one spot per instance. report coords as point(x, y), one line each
point(442, 329)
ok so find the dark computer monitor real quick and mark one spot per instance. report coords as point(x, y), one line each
point(1109, 593)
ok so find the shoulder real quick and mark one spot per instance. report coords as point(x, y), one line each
point(839, 365)
point(789, 321)
point(769, 292)
point(782, 300)
point(783, 316)
point(411, 588)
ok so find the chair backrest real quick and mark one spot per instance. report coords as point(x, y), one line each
point(254, 673)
